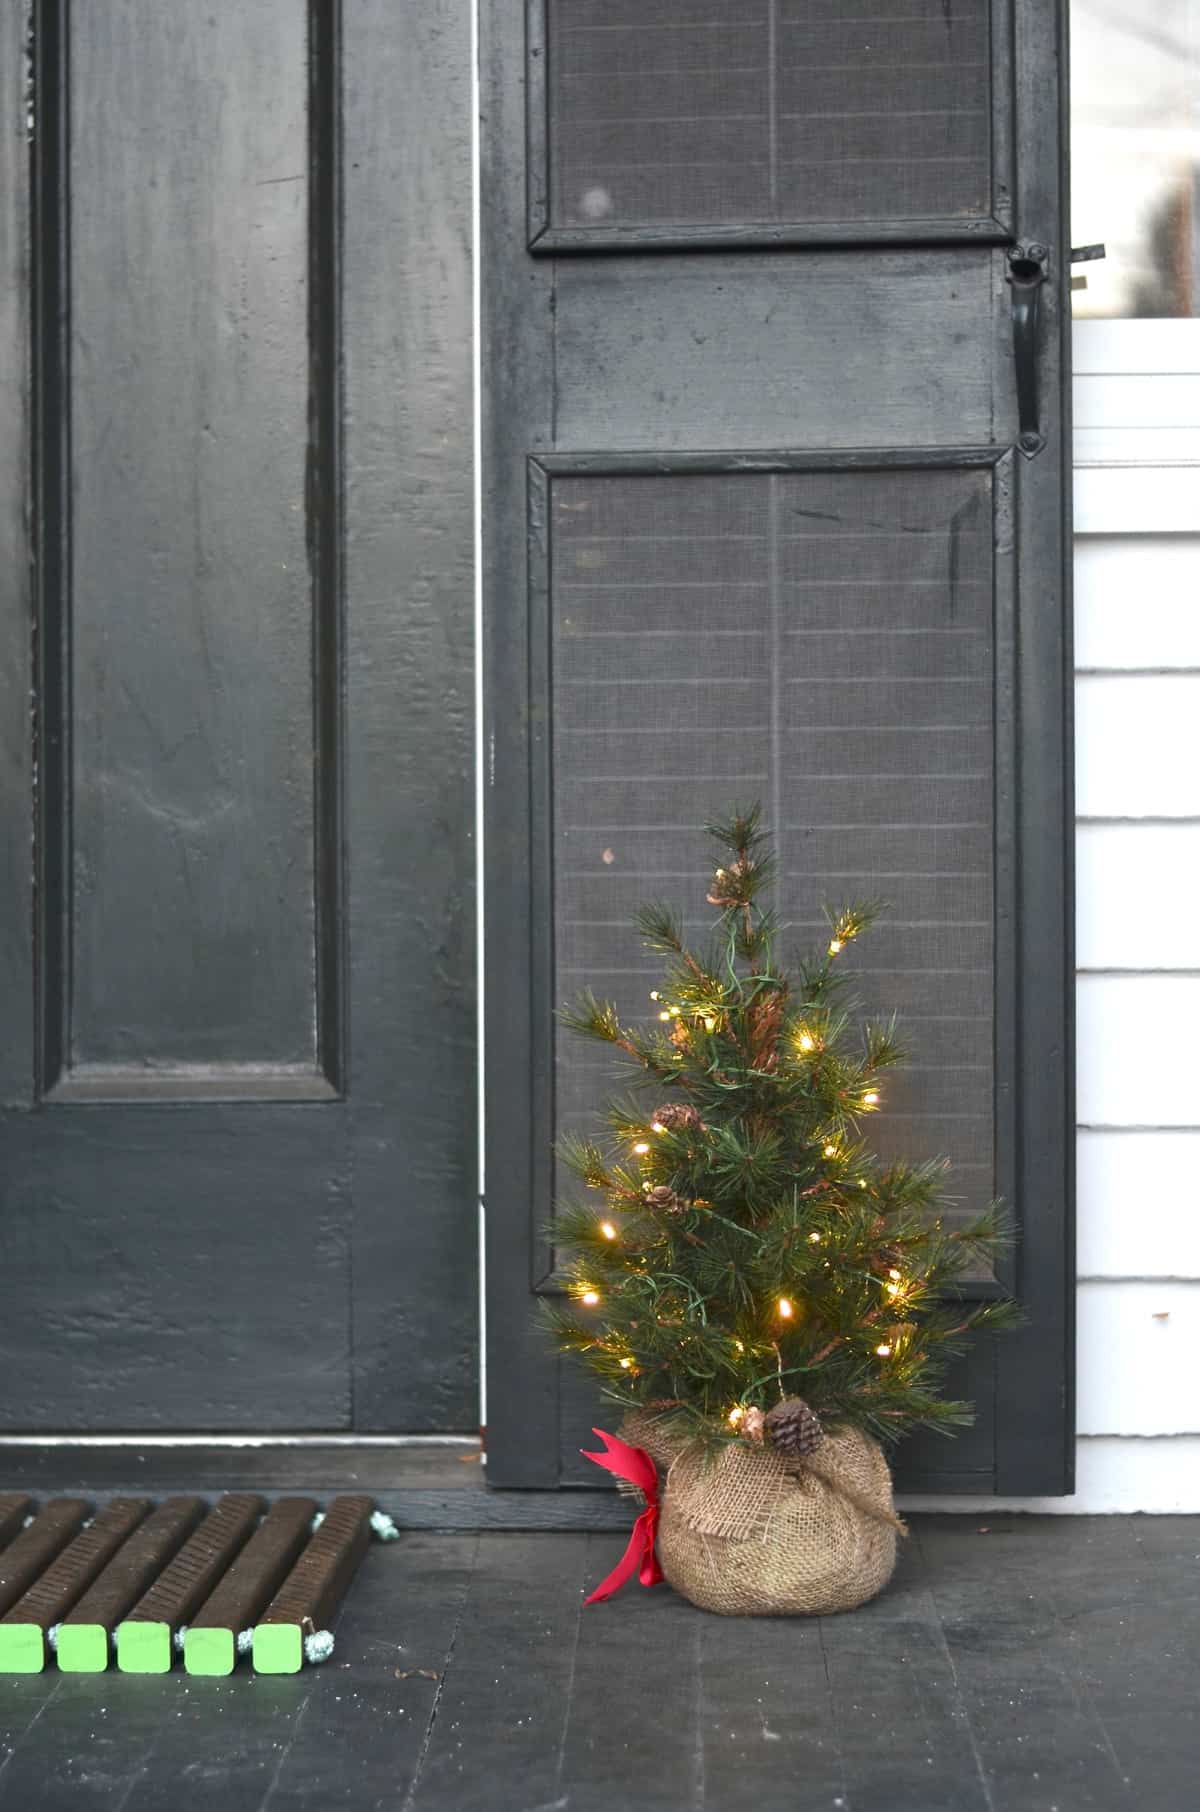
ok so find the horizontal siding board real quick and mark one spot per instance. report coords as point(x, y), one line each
point(1137, 896)
point(1136, 746)
point(1138, 1357)
point(1137, 601)
point(1137, 400)
point(1133, 498)
point(1136, 1043)
point(1138, 1204)
point(1104, 347)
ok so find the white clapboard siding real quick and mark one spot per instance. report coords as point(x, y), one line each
point(1138, 1204)
point(1137, 427)
point(1137, 1062)
point(1137, 702)
point(1137, 602)
point(1121, 496)
point(1138, 1358)
point(1136, 748)
point(1137, 896)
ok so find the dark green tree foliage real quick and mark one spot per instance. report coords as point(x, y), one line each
point(742, 1243)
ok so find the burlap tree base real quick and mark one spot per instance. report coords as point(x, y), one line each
point(751, 1533)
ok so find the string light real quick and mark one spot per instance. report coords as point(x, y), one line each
point(893, 1272)
point(830, 1151)
point(835, 944)
point(815, 1238)
point(806, 1041)
point(664, 1014)
point(641, 1148)
point(654, 994)
point(785, 1308)
point(627, 1365)
point(884, 1350)
point(736, 1414)
point(740, 1345)
point(608, 1230)
point(708, 1021)
point(894, 1289)
point(591, 1297)
point(871, 1098)
point(657, 1126)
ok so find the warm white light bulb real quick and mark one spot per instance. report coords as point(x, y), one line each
point(736, 1414)
point(657, 1126)
point(806, 1041)
point(664, 1014)
point(626, 1365)
point(835, 944)
point(641, 1148)
point(884, 1350)
point(785, 1308)
point(831, 1151)
point(654, 994)
point(893, 1272)
point(608, 1230)
point(591, 1297)
point(871, 1098)
point(815, 1238)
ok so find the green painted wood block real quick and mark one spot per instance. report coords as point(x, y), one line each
point(144, 1647)
point(278, 1648)
point(22, 1648)
point(82, 1648)
point(210, 1651)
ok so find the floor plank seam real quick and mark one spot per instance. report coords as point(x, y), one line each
point(964, 1710)
point(843, 1799)
point(410, 1797)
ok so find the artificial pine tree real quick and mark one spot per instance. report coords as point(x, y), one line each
point(755, 1273)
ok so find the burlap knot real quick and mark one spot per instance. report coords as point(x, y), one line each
point(748, 1533)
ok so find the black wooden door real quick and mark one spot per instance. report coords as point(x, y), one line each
point(236, 947)
point(775, 504)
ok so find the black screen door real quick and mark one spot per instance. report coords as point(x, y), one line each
point(775, 506)
point(237, 1156)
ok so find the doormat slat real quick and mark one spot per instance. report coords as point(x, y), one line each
point(146, 1637)
point(15, 1509)
point(31, 1552)
point(313, 1590)
point(211, 1643)
point(85, 1637)
point(24, 1628)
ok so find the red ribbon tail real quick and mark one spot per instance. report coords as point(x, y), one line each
point(635, 1465)
point(639, 1557)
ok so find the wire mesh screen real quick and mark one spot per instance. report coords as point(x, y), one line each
point(711, 112)
point(820, 641)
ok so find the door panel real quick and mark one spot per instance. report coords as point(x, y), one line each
point(753, 351)
point(756, 524)
point(237, 1140)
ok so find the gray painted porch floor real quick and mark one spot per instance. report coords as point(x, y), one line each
point(1051, 1664)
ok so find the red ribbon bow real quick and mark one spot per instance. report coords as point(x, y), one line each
point(634, 1464)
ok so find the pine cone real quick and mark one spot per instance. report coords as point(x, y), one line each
point(665, 1200)
point(793, 1429)
point(679, 1116)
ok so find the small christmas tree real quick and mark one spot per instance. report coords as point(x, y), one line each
point(755, 1271)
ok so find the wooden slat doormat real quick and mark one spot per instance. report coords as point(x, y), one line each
point(147, 1587)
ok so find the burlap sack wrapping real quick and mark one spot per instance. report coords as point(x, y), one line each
point(748, 1533)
